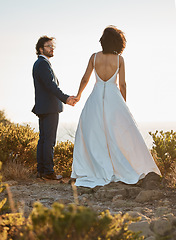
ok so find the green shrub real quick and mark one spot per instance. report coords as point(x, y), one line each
point(11, 225)
point(17, 143)
point(164, 149)
point(63, 157)
point(70, 222)
point(3, 118)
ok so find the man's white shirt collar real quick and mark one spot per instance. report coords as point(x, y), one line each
point(44, 57)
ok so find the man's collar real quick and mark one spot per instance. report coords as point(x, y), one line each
point(44, 57)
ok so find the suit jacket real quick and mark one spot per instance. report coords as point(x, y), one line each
point(48, 96)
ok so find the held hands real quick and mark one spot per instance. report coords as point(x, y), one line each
point(72, 100)
point(77, 98)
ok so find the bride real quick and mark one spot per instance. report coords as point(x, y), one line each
point(108, 145)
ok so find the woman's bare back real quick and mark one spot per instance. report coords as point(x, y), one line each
point(106, 65)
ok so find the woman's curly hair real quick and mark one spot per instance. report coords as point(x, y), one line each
point(113, 40)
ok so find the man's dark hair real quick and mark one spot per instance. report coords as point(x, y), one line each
point(41, 42)
point(113, 40)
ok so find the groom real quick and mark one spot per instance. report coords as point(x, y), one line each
point(48, 105)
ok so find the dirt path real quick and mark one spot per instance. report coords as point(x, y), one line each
point(155, 204)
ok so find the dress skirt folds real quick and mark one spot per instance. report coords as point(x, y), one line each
point(108, 145)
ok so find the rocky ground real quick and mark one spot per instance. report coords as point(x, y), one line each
point(149, 199)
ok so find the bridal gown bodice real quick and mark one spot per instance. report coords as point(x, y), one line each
point(108, 145)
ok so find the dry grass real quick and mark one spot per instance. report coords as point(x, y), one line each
point(15, 171)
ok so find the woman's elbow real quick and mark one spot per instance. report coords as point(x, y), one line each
point(123, 86)
point(84, 80)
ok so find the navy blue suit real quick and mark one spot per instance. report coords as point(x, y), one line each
point(48, 105)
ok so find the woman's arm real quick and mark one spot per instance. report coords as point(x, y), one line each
point(85, 78)
point(122, 83)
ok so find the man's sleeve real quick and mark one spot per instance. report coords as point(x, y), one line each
point(46, 77)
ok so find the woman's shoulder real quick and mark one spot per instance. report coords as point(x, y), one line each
point(121, 60)
point(93, 56)
point(97, 53)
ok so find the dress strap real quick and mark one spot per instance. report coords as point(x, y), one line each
point(117, 61)
point(94, 59)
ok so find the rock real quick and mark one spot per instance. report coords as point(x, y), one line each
point(115, 192)
point(171, 218)
point(173, 235)
point(119, 203)
point(115, 185)
point(161, 226)
point(110, 194)
point(124, 203)
point(151, 185)
point(143, 227)
point(148, 195)
point(160, 211)
point(133, 192)
point(151, 176)
point(138, 209)
point(151, 181)
point(117, 197)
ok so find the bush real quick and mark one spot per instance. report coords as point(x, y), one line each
point(18, 146)
point(3, 118)
point(2, 202)
point(164, 150)
point(17, 143)
point(63, 158)
point(70, 222)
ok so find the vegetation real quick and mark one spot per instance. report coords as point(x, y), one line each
point(3, 118)
point(164, 150)
point(70, 222)
point(2, 202)
point(63, 157)
point(17, 143)
point(18, 146)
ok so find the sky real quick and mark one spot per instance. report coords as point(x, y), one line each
point(77, 25)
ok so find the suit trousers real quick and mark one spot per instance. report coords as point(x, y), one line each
point(48, 124)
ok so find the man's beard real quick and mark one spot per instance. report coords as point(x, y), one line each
point(47, 54)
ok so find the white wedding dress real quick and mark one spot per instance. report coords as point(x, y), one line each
point(108, 145)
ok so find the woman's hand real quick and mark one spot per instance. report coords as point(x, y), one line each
point(77, 98)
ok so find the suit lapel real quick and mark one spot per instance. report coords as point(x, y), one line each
point(55, 78)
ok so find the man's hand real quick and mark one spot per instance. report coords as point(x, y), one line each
point(71, 101)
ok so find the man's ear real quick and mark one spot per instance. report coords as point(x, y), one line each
point(41, 50)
